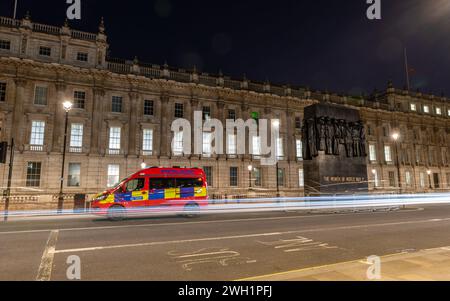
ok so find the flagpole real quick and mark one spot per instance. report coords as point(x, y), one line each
point(407, 71)
point(15, 8)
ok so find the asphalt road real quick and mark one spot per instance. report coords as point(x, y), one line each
point(215, 247)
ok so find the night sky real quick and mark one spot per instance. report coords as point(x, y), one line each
point(322, 44)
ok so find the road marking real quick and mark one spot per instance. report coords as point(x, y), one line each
point(158, 243)
point(327, 266)
point(241, 236)
point(218, 256)
point(194, 223)
point(45, 268)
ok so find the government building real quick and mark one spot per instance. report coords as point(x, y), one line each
point(123, 110)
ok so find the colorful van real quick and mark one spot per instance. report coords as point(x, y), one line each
point(165, 189)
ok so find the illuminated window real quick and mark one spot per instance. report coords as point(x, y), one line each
point(413, 107)
point(37, 133)
point(408, 178)
point(147, 142)
point(301, 178)
point(299, 148)
point(280, 149)
point(232, 147)
point(114, 138)
point(422, 180)
point(207, 149)
point(387, 154)
point(372, 152)
point(177, 146)
point(76, 135)
point(438, 111)
point(113, 175)
point(426, 109)
point(40, 95)
point(376, 180)
point(256, 146)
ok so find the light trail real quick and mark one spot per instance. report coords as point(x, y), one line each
point(354, 202)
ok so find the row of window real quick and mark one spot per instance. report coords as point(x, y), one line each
point(426, 109)
point(34, 171)
point(37, 138)
point(433, 180)
point(404, 155)
point(44, 51)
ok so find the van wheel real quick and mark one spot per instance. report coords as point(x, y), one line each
point(116, 213)
point(191, 210)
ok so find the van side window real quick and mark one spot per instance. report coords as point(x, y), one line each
point(189, 183)
point(135, 185)
point(162, 183)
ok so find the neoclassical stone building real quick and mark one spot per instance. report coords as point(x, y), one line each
point(123, 112)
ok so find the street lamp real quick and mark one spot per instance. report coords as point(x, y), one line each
point(396, 137)
point(143, 165)
point(429, 178)
point(250, 169)
point(67, 105)
point(276, 125)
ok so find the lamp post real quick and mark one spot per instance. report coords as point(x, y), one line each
point(67, 107)
point(250, 169)
point(429, 179)
point(276, 125)
point(396, 137)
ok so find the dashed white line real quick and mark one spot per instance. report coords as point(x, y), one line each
point(45, 268)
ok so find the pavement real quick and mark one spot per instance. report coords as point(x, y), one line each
point(239, 246)
point(424, 265)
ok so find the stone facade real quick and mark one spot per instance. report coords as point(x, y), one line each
point(77, 62)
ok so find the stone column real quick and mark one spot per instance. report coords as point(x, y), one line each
point(165, 141)
point(97, 119)
point(290, 143)
point(59, 118)
point(221, 116)
point(18, 127)
point(134, 102)
point(246, 115)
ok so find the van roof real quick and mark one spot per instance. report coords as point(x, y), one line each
point(170, 171)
